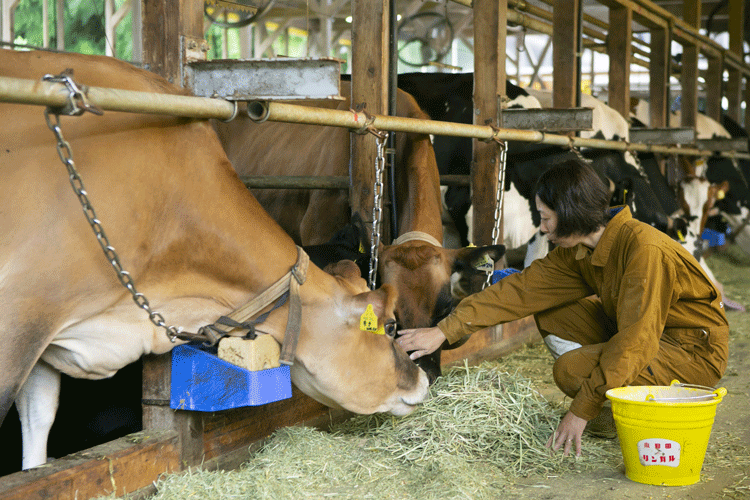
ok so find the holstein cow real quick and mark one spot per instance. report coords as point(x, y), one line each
point(193, 239)
point(697, 189)
point(448, 97)
point(429, 278)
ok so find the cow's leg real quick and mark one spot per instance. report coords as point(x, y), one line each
point(37, 404)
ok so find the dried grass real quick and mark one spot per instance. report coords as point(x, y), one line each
point(481, 429)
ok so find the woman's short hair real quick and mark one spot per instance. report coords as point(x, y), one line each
point(578, 196)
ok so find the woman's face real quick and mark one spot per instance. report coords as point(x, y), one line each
point(549, 224)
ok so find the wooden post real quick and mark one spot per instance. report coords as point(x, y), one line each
point(658, 84)
point(689, 76)
point(619, 48)
point(167, 24)
point(490, 29)
point(713, 88)
point(369, 91)
point(737, 14)
point(564, 47)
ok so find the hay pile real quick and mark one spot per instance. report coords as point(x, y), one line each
point(481, 428)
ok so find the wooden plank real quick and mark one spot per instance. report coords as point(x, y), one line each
point(620, 52)
point(565, 75)
point(231, 430)
point(490, 32)
point(659, 78)
point(121, 466)
point(493, 343)
point(369, 90)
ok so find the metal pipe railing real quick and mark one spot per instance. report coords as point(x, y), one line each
point(22, 91)
point(44, 93)
point(293, 113)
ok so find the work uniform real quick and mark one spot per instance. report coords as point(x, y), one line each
point(636, 310)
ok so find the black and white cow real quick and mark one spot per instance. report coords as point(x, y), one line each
point(449, 97)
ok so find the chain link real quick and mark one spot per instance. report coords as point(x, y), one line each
point(502, 154)
point(66, 156)
point(377, 207)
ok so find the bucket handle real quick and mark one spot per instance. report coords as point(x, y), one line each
point(714, 393)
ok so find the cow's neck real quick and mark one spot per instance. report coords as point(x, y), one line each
point(419, 204)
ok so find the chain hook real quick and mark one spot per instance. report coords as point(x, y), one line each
point(502, 155)
point(77, 99)
point(377, 206)
point(66, 156)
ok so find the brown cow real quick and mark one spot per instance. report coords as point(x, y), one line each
point(194, 240)
point(429, 278)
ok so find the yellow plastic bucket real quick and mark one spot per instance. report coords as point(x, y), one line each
point(664, 430)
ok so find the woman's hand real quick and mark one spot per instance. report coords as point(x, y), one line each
point(422, 341)
point(568, 432)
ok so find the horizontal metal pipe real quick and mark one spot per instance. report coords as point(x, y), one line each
point(293, 113)
point(324, 182)
point(21, 91)
point(53, 94)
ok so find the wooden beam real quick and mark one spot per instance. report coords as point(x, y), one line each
point(157, 415)
point(619, 49)
point(369, 92)
point(659, 78)
point(734, 80)
point(689, 84)
point(490, 32)
point(165, 24)
point(564, 48)
point(713, 85)
point(689, 77)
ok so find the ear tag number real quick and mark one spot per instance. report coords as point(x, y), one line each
point(368, 322)
point(486, 264)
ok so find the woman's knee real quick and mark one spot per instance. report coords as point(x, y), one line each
point(573, 367)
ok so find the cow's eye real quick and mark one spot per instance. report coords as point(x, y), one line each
point(390, 328)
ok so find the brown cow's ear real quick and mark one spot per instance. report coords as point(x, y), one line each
point(383, 302)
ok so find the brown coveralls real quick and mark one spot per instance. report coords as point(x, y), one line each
point(655, 317)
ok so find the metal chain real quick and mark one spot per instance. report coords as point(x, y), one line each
point(377, 207)
point(502, 154)
point(66, 156)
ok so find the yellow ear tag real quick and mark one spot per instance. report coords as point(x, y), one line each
point(680, 236)
point(368, 322)
point(361, 247)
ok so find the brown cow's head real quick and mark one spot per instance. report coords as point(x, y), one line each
point(343, 364)
point(431, 280)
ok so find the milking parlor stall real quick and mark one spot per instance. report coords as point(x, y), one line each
point(196, 423)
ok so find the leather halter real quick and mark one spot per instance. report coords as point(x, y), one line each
point(234, 323)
